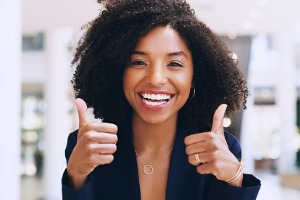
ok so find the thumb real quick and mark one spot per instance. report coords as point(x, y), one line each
point(82, 112)
point(217, 125)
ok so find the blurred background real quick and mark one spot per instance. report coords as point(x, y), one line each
point(37, 41)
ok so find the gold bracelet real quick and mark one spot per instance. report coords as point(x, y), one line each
point(237, 174)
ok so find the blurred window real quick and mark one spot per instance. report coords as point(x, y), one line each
point(33, 42)
point(32, 134)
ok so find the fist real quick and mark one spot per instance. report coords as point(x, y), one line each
point(209, 152)
point(96, 144)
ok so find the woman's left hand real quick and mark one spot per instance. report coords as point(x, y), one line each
point(213, 152)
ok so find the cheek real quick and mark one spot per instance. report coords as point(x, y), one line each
point(129, 83)
point(126, 84)
point(186, 88)
point(185, 81)
point(185, 85)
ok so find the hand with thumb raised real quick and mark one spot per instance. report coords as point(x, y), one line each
point(217, 125)
point(209, 152)
point(96, 144)
point(82, 112)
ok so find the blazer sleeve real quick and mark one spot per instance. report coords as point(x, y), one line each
point(221, 190)
point(68, 193)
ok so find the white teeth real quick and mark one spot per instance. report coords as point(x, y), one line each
point(156, 96)
point(153, 103)
point(153, 96)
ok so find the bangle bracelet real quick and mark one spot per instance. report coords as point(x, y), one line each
point(237, 174)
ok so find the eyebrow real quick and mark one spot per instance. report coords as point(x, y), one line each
point(177, 53)
point(138, 52)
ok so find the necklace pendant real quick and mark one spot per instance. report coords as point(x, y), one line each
point(148, 169)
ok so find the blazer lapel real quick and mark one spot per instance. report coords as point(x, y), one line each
point(182, 177)
point(119, 180)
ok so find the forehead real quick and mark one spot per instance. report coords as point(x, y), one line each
point(162, 37)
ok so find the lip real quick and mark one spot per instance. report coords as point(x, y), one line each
point(156, 92)
point(158, 107)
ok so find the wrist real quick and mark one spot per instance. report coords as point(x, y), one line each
point(76, 180)
point(237, 178)
point(238, 182)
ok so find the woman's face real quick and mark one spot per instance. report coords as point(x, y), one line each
point(158, 79)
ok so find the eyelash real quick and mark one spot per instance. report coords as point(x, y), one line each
point(141, 62)
point(176, 64)
point(138, 62)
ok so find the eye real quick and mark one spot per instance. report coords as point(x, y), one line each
point(138, 62)
point(175, 64)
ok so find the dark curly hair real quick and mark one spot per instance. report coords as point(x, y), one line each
point(105, 49)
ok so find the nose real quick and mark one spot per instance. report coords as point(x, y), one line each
point(156, 76)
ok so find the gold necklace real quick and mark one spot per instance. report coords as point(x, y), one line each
point(148, 169)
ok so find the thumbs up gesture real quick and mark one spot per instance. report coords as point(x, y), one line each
point(209, 152)
point(96, 144)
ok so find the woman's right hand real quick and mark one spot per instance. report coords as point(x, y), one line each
point(96, 144)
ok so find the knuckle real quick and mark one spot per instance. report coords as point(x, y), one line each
point(89, 148)
point(115, 128)
point(188, 150)
point(109, 159)
point(109, 149)
point(114, 148)
point(199, 170)
point(213, 145)
point(81, 133)
point(186, 140)
point(190, 160)
point(211, 135)
point(88, 136)
point(89, 126)
point(110, 127)
point(115, 138)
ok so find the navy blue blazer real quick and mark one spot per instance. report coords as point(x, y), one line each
point(119, 180)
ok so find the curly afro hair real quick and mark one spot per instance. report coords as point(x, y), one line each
point(105, 49)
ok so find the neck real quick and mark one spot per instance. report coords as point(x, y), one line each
point(153, 138)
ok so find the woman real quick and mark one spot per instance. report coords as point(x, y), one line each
point(139, 66)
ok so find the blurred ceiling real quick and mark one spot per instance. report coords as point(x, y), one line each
point(223, 16)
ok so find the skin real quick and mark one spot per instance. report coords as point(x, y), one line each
point(161, 63)
point(96, 144)
point(212, 148)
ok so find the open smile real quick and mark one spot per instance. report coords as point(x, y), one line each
point(155, 100)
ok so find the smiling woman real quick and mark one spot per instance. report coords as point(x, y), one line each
point(159, 76)
point(139, 66)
